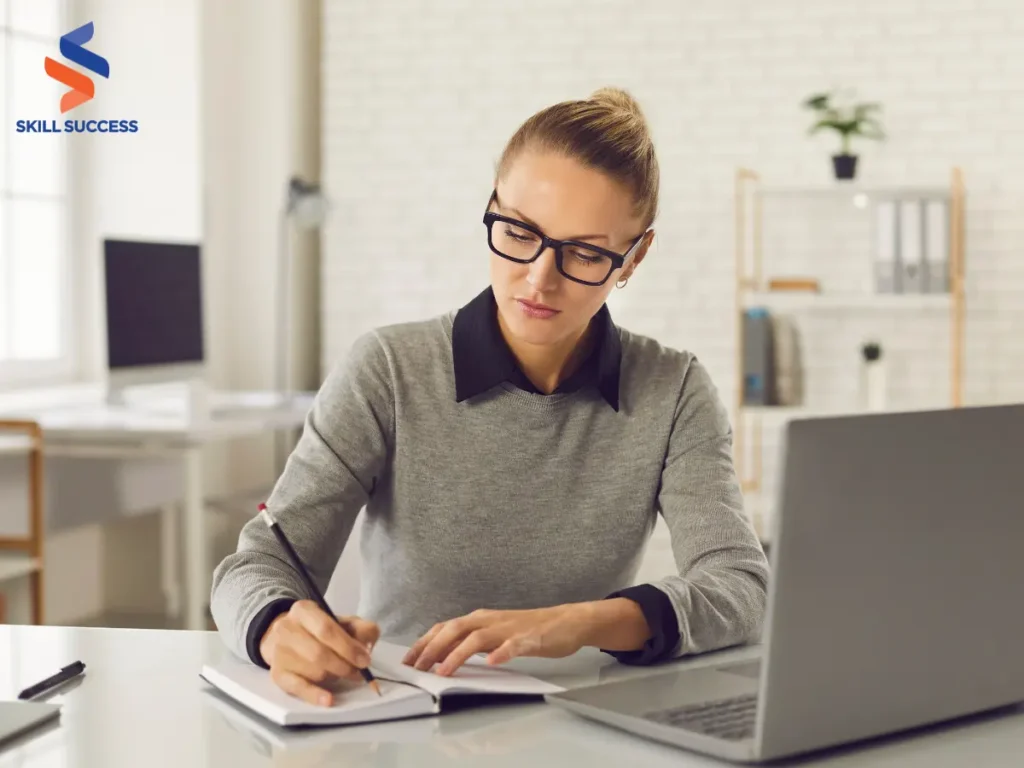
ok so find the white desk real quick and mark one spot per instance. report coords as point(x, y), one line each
point(141, 702)
point(87, 427)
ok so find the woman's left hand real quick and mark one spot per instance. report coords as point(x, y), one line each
point(552, 632)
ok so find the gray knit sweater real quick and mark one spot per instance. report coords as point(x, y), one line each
point(509, 499)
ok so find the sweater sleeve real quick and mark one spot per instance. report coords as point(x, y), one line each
point(719, 596)
point(343, 450)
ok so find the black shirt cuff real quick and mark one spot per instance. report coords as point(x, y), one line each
point(258, 627)
point(661, 618)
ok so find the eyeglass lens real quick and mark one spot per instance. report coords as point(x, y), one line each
point(578, 261)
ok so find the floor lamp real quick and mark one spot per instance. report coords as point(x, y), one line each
point(306, 205)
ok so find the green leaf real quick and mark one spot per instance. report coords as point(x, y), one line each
point(858, 119)
point(840, 126)
point(831, 114)
point(817, 101)
point(863, 111)
point(871, 129)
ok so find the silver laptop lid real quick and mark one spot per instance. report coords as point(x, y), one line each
point(897, 584)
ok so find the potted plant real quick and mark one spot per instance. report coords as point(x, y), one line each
point(848, 120)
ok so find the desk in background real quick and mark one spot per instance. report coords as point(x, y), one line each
point(141, 702)
point(82, 425)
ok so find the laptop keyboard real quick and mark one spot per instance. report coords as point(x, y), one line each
point(731, 719)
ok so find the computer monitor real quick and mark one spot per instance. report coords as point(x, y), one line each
point(154, 314)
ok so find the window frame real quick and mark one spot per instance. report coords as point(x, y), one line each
point(17, 373)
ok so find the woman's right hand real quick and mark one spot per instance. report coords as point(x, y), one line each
point(306, 650)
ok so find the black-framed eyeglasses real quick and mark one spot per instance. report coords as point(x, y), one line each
point(580, 262)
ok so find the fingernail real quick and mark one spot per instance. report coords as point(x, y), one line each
point(325, 699)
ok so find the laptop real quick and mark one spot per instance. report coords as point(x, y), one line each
point(894, 600)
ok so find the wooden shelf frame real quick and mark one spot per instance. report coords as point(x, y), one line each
point(32, 545)
point(749, 282)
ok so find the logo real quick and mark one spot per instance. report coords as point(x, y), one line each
point(72, 47)
point(81, 88)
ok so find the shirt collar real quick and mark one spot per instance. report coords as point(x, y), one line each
point(483, 360)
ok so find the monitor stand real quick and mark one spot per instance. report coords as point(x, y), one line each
point(176, 389)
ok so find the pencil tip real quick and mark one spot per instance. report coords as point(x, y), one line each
point(376, 686)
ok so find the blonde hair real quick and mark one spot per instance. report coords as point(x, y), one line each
point(607, 132)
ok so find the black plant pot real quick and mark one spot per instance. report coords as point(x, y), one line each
point(845, 166)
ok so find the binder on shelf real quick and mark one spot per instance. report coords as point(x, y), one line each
point(758, 358)
point(886, 228)
point(936, 247)
point(788, 363)
point(911, 251)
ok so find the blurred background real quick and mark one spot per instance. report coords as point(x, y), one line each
point(300, 172)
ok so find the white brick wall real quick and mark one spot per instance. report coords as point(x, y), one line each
point(419, 98)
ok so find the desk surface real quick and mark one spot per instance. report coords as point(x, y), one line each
point(141, 702)
point(83, 417)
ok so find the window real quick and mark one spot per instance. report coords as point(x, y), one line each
point(35, 280)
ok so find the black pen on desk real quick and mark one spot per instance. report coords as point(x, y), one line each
point(67, 673)
point(310, 585)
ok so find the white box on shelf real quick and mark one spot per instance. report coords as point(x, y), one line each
point(886, 227)
point(911, 253)
point(936, 247)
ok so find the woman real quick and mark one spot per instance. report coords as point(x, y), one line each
point(513, 455)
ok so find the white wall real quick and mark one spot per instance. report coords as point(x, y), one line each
point(125, 185)
point(252, 121)
point(419, 99)
point(145, 184)
point(260, 92)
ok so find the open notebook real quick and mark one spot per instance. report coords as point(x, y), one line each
point(407, 692)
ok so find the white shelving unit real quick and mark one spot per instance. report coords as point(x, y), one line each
point(827, 225)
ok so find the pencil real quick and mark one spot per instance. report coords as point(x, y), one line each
point(310, 585)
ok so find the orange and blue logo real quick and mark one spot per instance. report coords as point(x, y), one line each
point(81, 87)
point(72, 48)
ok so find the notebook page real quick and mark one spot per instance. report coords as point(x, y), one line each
point(353, 702)
point(473, 677)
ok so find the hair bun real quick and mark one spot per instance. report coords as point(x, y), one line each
point(606, 132)
point(619, 99)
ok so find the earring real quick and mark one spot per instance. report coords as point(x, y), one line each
point(622, 283)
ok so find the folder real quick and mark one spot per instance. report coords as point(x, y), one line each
point(936, 246)
point(886, 278)
point(911, 251)
point(758, 358)
point(788, 363)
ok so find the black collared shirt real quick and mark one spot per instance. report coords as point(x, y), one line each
point(482, 359)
